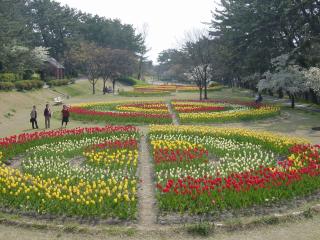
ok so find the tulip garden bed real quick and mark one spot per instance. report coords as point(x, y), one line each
point(208, 171)
point(133, 113)
point(101, 183)
point(212, 111)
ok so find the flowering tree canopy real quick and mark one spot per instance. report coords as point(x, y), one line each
point(312, 76)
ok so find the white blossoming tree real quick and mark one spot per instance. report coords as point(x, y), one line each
point(312, 76)
point(200, 75)
point(289, 79)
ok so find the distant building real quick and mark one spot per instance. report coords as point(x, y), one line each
point(52, 70)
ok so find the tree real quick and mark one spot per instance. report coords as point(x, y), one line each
point(115, 63)
point(200, 75)
point(312, 76)
point(87, 57)
point(172, 65)
point(120, 63)
point(197, 50)
point(254, 32)
point(143, 49)
point(18, 59)
point(105, 68)
point(287, 78)
point(54, 25)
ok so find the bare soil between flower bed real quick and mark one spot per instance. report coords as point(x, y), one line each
point(64, 219)
point(15, 162)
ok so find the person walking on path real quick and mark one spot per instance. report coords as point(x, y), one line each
point(33, 117)
point(65, 116)
point(47, 116)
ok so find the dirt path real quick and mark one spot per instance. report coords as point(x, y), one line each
point(147, 201)
point(306, 230)
point(174, 115)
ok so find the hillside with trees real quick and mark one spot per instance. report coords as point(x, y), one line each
point(31, 31)
point(270, 46)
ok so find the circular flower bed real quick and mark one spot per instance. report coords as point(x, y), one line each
point(221, 111)
point(122, 113)
point(205, 169)
point(78, 172)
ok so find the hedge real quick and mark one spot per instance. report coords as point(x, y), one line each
point(60, 82)
point(130, 81)
point(28, 84)
point(6, 86)
point(9, 77)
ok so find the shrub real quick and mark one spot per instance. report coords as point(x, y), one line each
point(28, 84)
point(59, 82)
point(127, 81)
point(9, 77)
point(35, 76)
point(6, 86)
point(130, 81)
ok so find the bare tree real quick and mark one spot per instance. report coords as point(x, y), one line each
point(87, 55)
point(119, 63)
point(199, 75)
point(144, 50)
point(197, 49)
point(105, 66)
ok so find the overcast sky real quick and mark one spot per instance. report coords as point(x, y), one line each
point(168, 20)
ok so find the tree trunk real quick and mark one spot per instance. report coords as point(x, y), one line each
point(104, 86)
point(140, 68)
point(292, 101)
point(205, 91)
point(200, 90)
point(314, 97)
point(93, 87)
point(280, 92)
point(113, 85)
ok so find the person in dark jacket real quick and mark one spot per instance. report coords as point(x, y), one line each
point(47, 116)
point(33, 117)
point(65, 116)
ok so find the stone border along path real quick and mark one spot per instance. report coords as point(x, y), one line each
point(173, 114)
point(147, 209)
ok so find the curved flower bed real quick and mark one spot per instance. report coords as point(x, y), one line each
point(78, 172)
point(206, 169)
point(221, 111)
point(122, 113)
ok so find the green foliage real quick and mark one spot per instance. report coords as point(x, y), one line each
point(35, 76)
point(28, 84)
point(251, 33)
point(59, 28)
point(6, 86)
point(9, 77)
point(130, 81)
point(58, 82)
